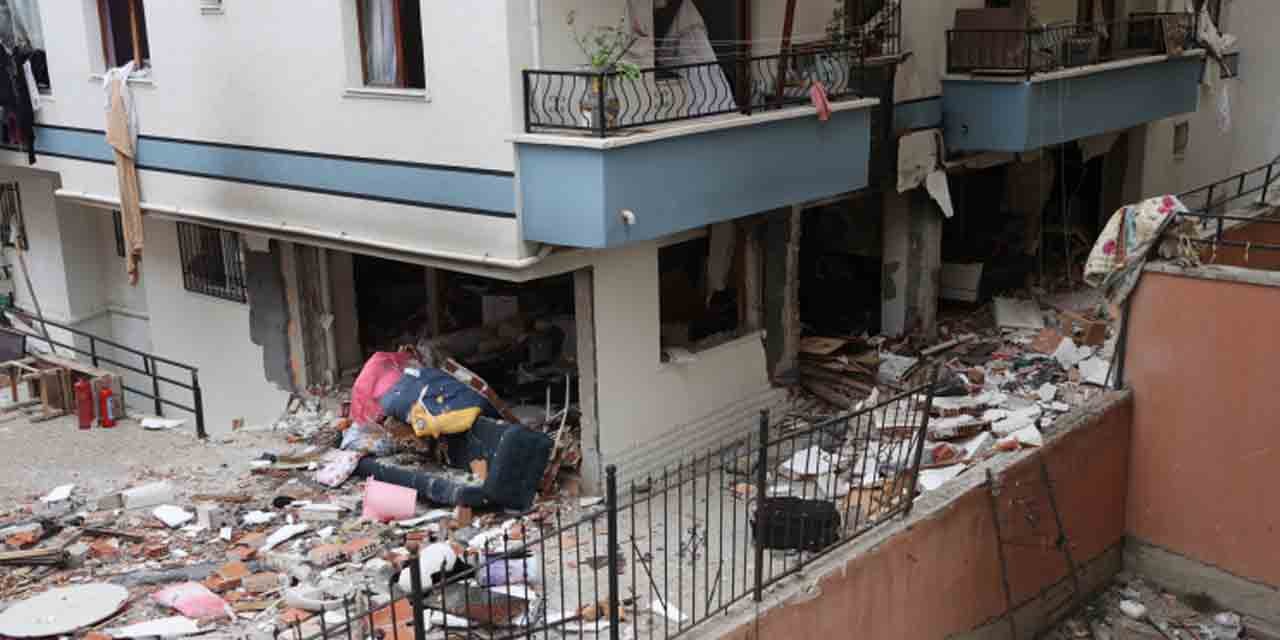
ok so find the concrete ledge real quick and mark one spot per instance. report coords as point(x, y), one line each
point(1216, 272)
point(1182, 575)
point(902, 599)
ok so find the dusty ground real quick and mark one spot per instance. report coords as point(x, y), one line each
point(35, 457)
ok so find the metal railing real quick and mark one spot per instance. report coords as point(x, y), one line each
point(669, 551)
point(606, 104)
point(1250, 189)
point(1050, 48)
point(161, 386)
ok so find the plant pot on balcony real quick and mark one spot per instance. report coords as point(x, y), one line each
point(590, 105)
point(1080, 51)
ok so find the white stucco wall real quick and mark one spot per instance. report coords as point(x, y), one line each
point(642, 402)
point(1254, 138)
point(209, 333)
point(924, 34)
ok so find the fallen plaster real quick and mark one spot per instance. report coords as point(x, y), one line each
point(1258, 602)
point(930, 506)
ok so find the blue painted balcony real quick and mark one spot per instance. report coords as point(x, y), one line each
point(1019, 90)
point(607, 160)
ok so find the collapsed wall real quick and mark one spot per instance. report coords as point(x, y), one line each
point(938, 573)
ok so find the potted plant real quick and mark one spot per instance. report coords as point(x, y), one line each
point(604, 46)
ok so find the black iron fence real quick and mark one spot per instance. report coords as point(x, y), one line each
point(166, 378)
point(1213, 203)
point(669, 551)
point(1024, 52)
point(609, 103)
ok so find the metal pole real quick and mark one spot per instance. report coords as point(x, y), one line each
point(918, 454)
point(415, 598)
point(611, 506)
point(601, 120)
point(197, 399)
point(762, 487)
point(528, 99)
point(155, 389)
point(1266, 185)
point(93, 350)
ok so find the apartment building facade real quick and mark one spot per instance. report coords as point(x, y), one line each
point(318, 180)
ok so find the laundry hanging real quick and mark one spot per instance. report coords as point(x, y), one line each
point(122, 135)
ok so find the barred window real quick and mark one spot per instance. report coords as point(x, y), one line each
point(211, 262)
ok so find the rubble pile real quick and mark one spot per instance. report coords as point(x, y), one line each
point(320, 528)
point(1135, 608)
point(1005, 374)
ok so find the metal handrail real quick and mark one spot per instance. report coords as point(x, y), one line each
point(149, 366)
point(1045, 48)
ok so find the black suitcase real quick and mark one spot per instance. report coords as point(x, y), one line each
point(794, 523)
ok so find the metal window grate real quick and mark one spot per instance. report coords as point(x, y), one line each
point(211, 262)
point(117, 223)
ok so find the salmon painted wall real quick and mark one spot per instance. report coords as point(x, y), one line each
point(940, 576)
point(1201, 361)
point(1256, 233)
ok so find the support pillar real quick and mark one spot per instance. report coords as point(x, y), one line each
point(911, 264)
point(584, 317)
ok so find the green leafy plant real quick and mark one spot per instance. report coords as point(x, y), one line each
point(605, 46)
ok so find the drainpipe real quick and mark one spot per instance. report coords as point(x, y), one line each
point(535, 31)
point(303, 234)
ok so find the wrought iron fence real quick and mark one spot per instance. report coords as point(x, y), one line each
point(180, 380)
point(610, 103)
point(668, 551)
point(1252, 189)
point(1050, 48)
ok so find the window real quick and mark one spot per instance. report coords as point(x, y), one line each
point(1181, 139)
point(703, 290)
point(211, 262)
point(22, 33)
point(391, 52)
point(118, 223)
point(124, 33)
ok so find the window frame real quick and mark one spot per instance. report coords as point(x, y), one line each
point(234, 285)
point(139, 39)
point(117, 224)
point(402, 68)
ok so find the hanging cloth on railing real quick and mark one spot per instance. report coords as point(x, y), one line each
point(1128, 240)
point(122, 135)
point(818, 96)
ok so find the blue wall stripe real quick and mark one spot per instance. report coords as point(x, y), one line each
point(572, 196)
point(481, 192)
point(1021, 116)
point(925, 113)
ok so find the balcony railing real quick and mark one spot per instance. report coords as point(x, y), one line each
point(1052, 48)
point(610, 104)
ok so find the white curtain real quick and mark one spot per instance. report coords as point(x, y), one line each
point(20, 23)
point(380, 62)
point(687, 42)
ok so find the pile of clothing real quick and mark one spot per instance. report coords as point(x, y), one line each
point(458, 412)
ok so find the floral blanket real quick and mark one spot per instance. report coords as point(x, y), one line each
point(1126, 243)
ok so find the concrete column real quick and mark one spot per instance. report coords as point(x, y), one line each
point(911, 263)
point(585, 317)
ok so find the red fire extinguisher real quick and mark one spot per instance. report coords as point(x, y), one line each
point(84, 403)
point(106, 408)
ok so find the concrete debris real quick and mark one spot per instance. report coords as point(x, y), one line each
point(1018, 314)
point(1135, 608)
point(62, 610)
point(171, 627)
point(1005, 374)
